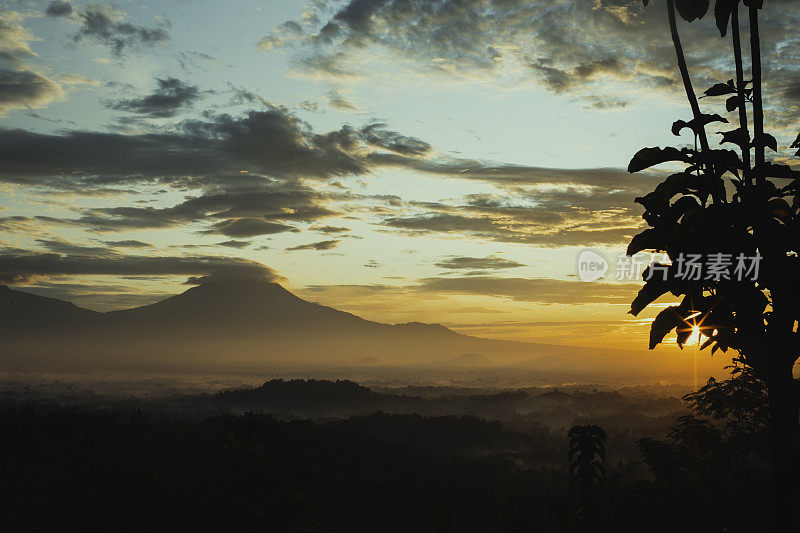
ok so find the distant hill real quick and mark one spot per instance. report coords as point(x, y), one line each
point(472, 359)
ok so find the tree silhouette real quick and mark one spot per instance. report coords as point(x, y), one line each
point(747, 227)
point(587, 455)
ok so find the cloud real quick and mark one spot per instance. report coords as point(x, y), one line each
point(547, 223)
point(330, 229)
point(171, 95)
point(547, 291)
point(322, 245)
point(25, 266)
point(14, 40)
point(563, 45)
point(57, 8)
point(249, 227)
point(477, 263)
point(61, 246)
point(196, 153)
point(246, 213)
point(106, 25)
point(378, 135)
point(128, 244)
point(339, 102)
point(234, 244)
point(26, 89)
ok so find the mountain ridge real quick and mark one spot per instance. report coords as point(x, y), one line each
point(247, 325)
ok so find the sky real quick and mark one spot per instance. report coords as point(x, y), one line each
point(404, 160)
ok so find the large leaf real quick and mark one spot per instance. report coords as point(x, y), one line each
point(732, 104)
point(691, 10)
point(646, 240)
point(739, 137)
point(767, 140)
point(722, 12)
point(654, 204)
point(676, 183)
point(653, 289)
point(649, 157)
point(723, 160)
point(696, 124)
point(720, 89)
point(773, 170)
point(667, 320)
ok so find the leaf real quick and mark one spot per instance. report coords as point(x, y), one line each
point(678, 126)
point(739, 136)
point(667, 320)
point(691, 10)
point(674, 184)
point(722, 11)
point(773, 170)
point(648, 239)
point(732, 103)
point(696, 124)
point(720, 89)
point(778, 207)
point(796, 143)
point(649, 157)
point(766, 140)
point(723, 160)
point(683, 206)
point(704, 119)
point(653, 289)
point(683, 335)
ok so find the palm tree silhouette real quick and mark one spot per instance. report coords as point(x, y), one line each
point(587, 455)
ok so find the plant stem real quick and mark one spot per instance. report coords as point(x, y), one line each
point(737, 53)
point(758, 106)
point(687, 80)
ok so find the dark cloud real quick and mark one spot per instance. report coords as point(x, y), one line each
point(548, 291)
point(482, 263)
point(378, 135)
point(128, 244)
point(337, 101)
point(57, 8)
point(25, 89)
point(322, 245)
point(565, 45)
point(21, 267)
point(330, 229)
point(61, 246)
point(234, 244)
point(249, 227)
point(171, 95)
point(196, 153)
point(511, 230)
point(105, 25)
point(561, 207)
point(246, 213)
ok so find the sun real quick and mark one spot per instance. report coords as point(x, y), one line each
point(694, 337)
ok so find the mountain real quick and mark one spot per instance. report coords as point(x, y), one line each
point(247, 326)
point(22, 311)
point(235, 322)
